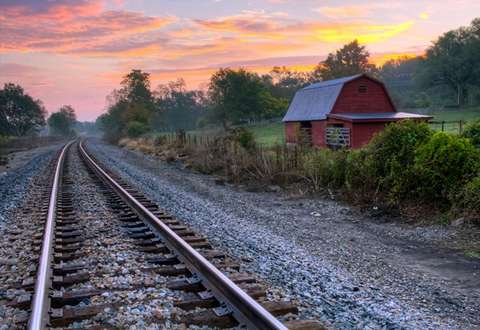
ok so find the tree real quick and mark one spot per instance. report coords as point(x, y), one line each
point(452, 62)
point(136, 88)
point(20, 114)
point(284, 83)
point(133, 102)
point(401, 78)
point(349, 60)
point(178, 107)
point(63, 121)
point(240, 96)
point(448, 62)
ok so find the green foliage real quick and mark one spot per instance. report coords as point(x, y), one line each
point(351, 59)
point(472, 131)
point(136, 88)
point(244, 137)
point(136, 129)
point(359, 177)
point(468, 200)
point(324, 168)
point(178, 107)
point(132, 103)
point(240, 96)
point(20, 114)
point(443, 164)
point(4, 141)
point(391, 155)
point(62, 122)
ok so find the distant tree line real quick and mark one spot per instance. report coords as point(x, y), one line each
point(22, 115)
point(448, 75)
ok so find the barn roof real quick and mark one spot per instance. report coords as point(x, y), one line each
point(314, 102)
point(383, 116)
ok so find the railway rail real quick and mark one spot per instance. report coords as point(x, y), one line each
point(217, 293)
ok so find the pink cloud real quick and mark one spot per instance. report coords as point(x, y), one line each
point(68, 26)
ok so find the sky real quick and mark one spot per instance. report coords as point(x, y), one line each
point(76, 51)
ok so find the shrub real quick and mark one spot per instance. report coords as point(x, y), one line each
point(390, 158)
point(244, 137)
point(444, 164)
point(136, 129)
point(468, 200)
point(359, 176)
point(324, 168)
point(472, 131)
point(4, 141)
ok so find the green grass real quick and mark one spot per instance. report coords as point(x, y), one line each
point(466, 115)
point(268, 134)
point(473, 254)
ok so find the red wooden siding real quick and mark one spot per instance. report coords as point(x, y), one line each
point(373, 101)
point(318, 133)
point(362, 133)
point(291, 132)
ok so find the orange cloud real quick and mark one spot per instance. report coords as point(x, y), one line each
point(356, 11)
point(364, 33)
point(381, 59)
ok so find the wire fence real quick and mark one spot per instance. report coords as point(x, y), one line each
point(451, 126)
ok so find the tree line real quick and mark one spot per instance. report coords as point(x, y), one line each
point(22, 115)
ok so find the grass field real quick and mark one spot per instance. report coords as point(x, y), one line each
point(456, 115)
point(269, 134)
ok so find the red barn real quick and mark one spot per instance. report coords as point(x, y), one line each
point(343, 112)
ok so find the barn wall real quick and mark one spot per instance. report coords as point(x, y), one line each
point(362, 133)
point(292, 130)
point(318, 133)
point(374, 100)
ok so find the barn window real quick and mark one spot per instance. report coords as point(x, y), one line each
point(362, 89)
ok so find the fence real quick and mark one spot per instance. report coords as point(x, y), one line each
point(452, 126)
point(219, 152)
point(337, 137)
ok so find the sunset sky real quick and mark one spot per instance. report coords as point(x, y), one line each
point(75, 52)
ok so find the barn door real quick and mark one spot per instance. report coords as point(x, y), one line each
point(305, 138)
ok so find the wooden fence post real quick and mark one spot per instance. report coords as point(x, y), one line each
point(460, 127)
point(443, 125)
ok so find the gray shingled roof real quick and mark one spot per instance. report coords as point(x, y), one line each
point(314, 102)
point(380, 115)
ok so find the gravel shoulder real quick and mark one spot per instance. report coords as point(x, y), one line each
point(15, 179)
point(347, 269)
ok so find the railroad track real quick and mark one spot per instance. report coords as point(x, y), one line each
point(209, 287)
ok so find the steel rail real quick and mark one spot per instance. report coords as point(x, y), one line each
point(41, 302)
point(244, 308)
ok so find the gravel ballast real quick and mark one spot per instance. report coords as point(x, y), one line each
point(345, 269)
point(15, 184)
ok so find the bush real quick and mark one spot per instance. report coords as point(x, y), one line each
point(390, 158)
point(244, 137)
point(468, 200)
point(444, 164)
point(136, 129)
point(472, 131)
point(324, 168)
point(359, 177)
point(4, 141)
